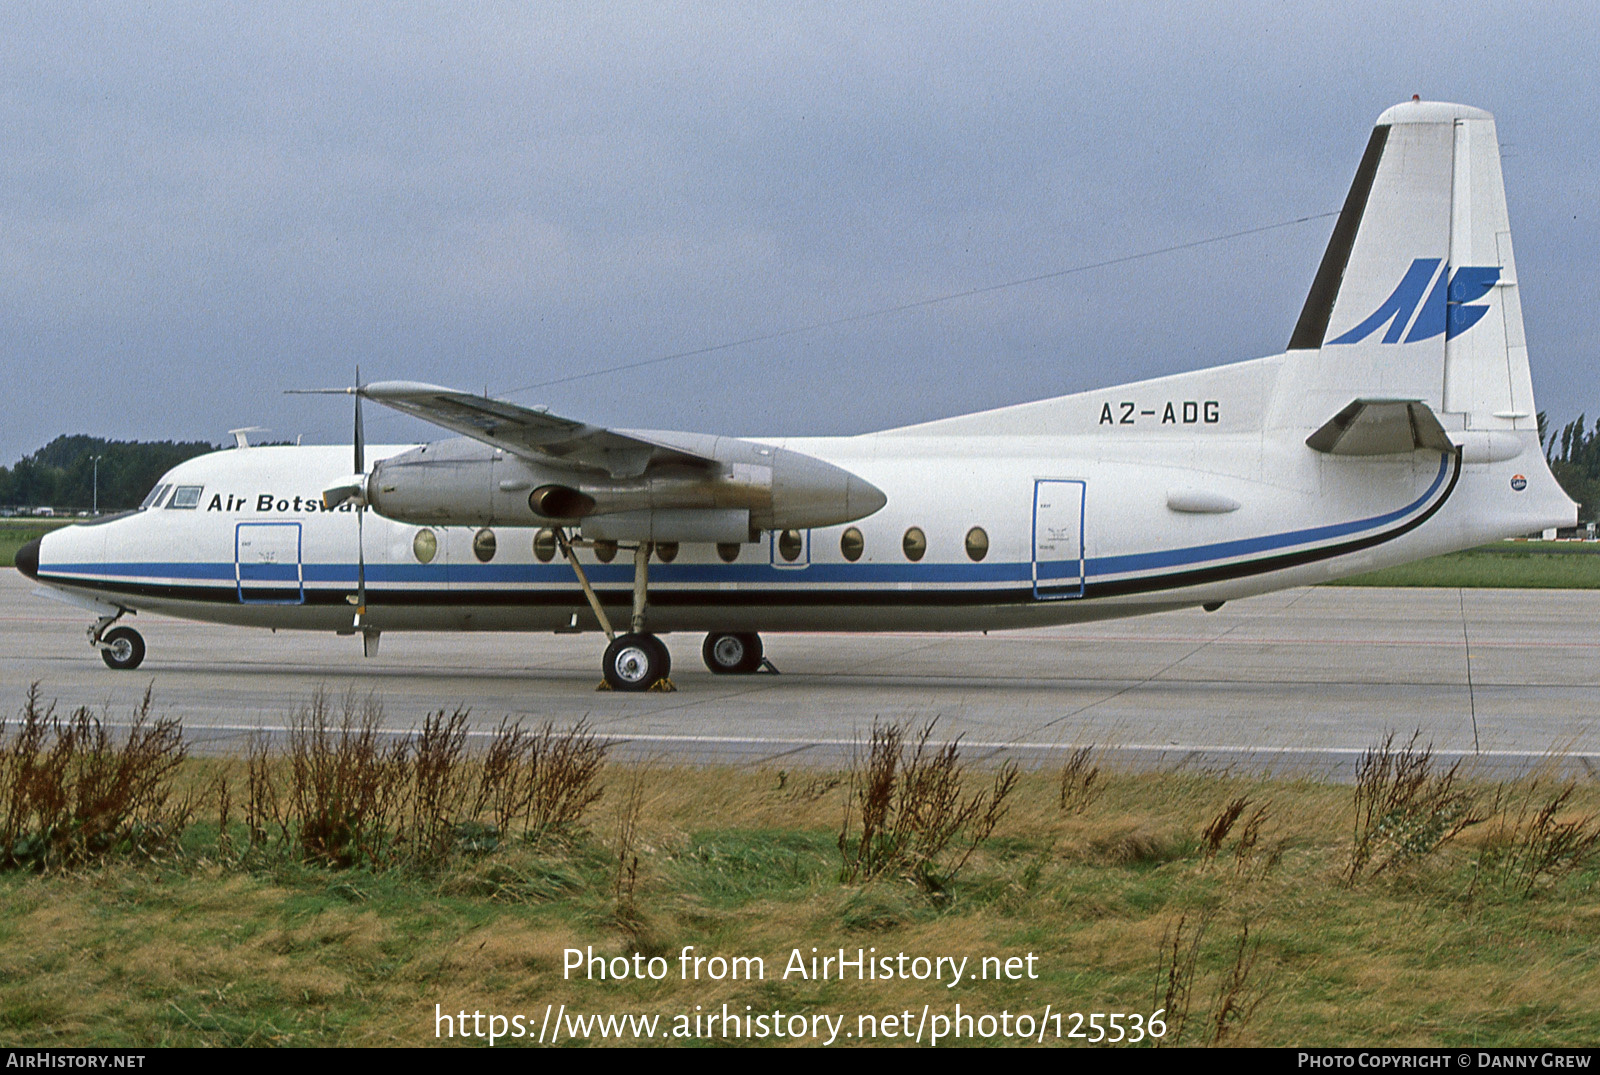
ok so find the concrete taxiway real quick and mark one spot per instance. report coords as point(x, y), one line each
point(1301, 680)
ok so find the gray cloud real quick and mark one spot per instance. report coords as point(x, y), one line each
point(203, 206)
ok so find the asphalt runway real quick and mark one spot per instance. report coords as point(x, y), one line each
point(1298, 681)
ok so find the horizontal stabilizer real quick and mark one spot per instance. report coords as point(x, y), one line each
point(1381, 427)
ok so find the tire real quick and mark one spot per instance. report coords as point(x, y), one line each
point(122, 649)
point(729, 654)
point(636, 662)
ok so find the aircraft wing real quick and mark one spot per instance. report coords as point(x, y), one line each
point(531, 432)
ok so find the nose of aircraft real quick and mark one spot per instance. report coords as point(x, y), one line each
point(28, 558)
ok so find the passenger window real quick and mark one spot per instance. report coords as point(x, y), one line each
point(544, 545)
point(667, 551)
point(851, 544)
point(425, 546)
point(605, 551)
point(977, 543)
point(483, 545)
point(186, 496)
point(915, 544)
point(791, 545)
point(154, 499)
point(728, 551)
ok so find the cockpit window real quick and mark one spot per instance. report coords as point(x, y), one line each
point(154, 499)
point(186, 496)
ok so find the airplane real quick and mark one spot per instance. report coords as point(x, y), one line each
point(1399, 423)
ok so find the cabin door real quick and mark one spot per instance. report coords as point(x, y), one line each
point(1057, 539)
point(266, 564)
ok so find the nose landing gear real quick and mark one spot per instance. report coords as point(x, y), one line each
point(121, 648)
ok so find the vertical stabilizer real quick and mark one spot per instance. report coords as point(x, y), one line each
point(1416, 296)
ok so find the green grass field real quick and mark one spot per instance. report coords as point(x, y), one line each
point(15, 533)
point(1118, 899)
point(1555, 565)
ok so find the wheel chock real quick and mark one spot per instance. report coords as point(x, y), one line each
point(660, 686)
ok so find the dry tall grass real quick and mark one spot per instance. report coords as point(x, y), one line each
point(345, 793)
point(1080, 781)
point(1238, 990)
point(910, 806)
point(71, 792)
point(738, 860)
point(1406, 808)
point(280, 945)
point(1539, 836)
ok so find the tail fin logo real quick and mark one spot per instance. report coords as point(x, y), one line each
point(1446, 310)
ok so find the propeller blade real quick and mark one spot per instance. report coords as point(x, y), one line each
point(361, 439)
point(358, 494)
point(361, 567)
point(335, 495)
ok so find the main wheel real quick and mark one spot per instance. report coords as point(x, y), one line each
point(732, 654)
point(636, 662)
point(123, 648)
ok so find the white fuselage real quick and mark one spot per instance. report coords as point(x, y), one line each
point(1135, 499)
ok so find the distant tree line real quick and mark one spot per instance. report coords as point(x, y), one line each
point(61, 475)
point(1574, 456)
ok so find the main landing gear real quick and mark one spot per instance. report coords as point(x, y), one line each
point(121, 648)
point(637, 660)
point(732, 654)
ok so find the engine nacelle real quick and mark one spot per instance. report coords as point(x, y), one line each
point(746, 488)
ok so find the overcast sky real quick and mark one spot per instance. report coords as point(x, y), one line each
point(204, 205)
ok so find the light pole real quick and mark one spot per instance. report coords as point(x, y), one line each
point(95, 508)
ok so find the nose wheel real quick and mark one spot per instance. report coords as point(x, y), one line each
point(122, 648)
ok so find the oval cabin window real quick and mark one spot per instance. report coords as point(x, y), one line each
point(977, 543)
point(852, 544)
point(483, 545)
point(425, 546)
point(791, 545)
point(544, 545)
point(915, 543)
